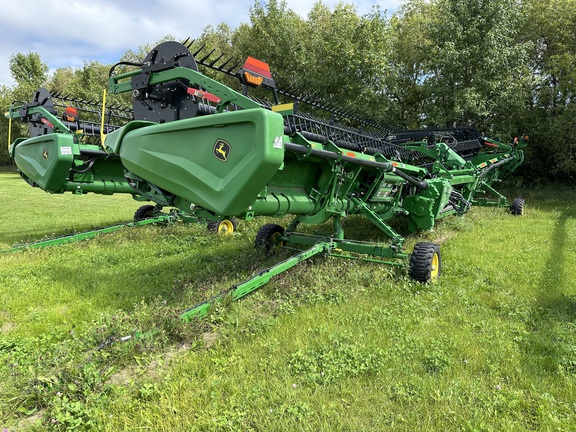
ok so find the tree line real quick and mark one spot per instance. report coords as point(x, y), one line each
point(506, 67)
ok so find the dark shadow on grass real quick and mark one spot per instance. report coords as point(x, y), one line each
point(183, 280)
point(358, 227)
point(551, 343)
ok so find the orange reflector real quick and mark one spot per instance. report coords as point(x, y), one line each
point(70, 114)
point(482, 165)
point(395, 164)
point(350, 154)
point(257, 66)
point(253, 79)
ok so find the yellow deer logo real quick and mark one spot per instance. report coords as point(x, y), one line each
point(221, 150)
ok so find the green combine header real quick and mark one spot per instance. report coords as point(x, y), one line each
point(213, 153)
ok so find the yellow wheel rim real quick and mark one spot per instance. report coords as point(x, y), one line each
point(274, 240)
point(435, 268)
point(225, 227)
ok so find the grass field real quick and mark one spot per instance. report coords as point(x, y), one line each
point(90, 339)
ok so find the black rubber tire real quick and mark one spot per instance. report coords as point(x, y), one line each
point(425, 262)
point(267, 237)
point(225, 226)
point(518, 206)
point(144, 212)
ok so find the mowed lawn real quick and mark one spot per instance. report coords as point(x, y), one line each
point(90, 337)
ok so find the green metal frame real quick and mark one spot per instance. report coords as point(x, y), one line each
point(244, 288)
point(87, 234)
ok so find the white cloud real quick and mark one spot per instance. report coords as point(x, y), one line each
point(71, 32)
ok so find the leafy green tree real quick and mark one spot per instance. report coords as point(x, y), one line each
point(347, 55)
point(550, 26)
point(29, 72)
point(216, 43)
point(86, 82)
point(406, 68)
point(371, 61)
point(275, 35)
point(477, 70)
point(336, 55)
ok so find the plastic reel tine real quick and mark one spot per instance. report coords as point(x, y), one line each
point(221, 67)
point(291, 88)
point(290, 95)
point(199, 50)
point(312, 97)
point(229, 71)
point(206, 56)
point(330, 106)
point(238, 63)
point(281, 88)
point(285, 86)
point(214, 62)
point(188, 42)
point(304, 97)
point(350, 114)
point(333, 106)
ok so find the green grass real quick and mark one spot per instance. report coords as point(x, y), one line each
point(31, 214)
point(329, 345)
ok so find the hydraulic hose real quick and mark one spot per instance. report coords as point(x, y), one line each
point(385, 166)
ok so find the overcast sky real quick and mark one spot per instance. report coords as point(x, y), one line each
point(71, 32)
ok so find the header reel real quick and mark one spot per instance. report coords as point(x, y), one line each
point(166, 101)
point(55, 112)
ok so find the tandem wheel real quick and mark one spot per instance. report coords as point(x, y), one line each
point(268, 237)
point(518, 206)
point(425, 262)
point(224, 227)
point(145, 212)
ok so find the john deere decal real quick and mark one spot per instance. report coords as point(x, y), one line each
point(221, 150)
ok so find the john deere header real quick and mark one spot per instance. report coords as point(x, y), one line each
point(215, 152)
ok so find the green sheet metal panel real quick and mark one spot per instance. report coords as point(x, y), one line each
point(46, 160)
point(220, 162)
